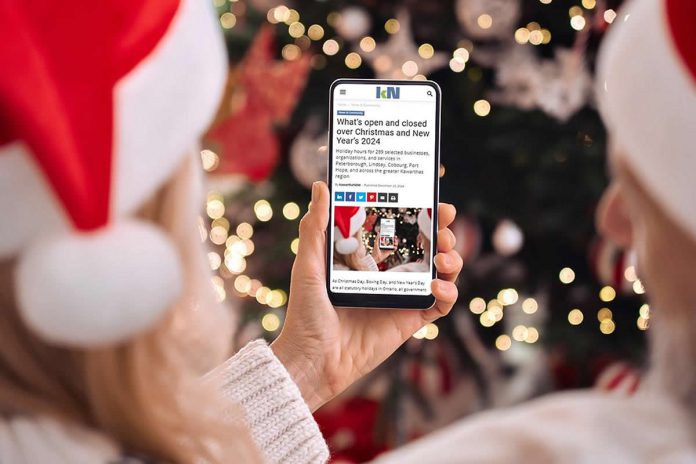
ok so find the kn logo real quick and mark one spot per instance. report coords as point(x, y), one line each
point(388, 92)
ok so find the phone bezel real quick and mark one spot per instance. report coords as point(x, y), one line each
point(370, 300)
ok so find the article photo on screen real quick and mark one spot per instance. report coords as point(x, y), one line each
point(383, 178)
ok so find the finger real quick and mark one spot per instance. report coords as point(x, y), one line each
point(446, 295)
point(445, 240)
point(448, 265)
point(445, 215)
point(313, 225)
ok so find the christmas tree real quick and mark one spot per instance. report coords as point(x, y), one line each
point(545, 303)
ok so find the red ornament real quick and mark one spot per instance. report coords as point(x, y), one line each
point(267, 94)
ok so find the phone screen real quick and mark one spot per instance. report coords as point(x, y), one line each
point(387, 232)
point(383, 177)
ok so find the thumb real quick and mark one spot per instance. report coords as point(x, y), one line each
point(311, 249)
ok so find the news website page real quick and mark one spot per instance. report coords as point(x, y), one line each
point(383, 149)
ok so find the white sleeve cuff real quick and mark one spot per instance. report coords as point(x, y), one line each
point(280, 421)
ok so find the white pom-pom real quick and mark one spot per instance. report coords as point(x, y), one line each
point(346, 246)
point(98, 288)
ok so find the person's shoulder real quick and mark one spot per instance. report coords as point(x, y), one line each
point(574, 427)
point(29, 440)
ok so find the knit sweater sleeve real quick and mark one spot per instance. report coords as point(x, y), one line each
point(280, 421)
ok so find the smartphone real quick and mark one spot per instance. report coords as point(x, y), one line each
point(387, 233)
point(384, 158)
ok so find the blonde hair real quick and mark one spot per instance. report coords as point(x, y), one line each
point(145, 393)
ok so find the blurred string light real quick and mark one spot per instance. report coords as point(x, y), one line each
point(263, 210)
point(630, 274)
point(459, 59)
point(533, 34)
point(429, 332)
point(589, 4)
point(643, 320)
point(315, 32)
point(609, 16)
point(392, 26)
point(503, 342)
point(607, 326)
point(607, 293)
point(291, 211)
point(295, 245)
point(330, 47)
point(530, 306)
point(270, 322)
point(367, 44)
point(482, 108)
point(638, 287)
point(575, 317)
point(567, 275)
point(210, 160)
point(484, 21)
point(228, 20)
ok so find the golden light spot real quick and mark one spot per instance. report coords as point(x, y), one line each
point(607, 293)
point(330, 47)
point(228, 20)
point(532, 335)
point(367, 44)
point(519, 333)
point(577, 23)
point(353, 60)
point(242, 284)
point(296, 29)
point(503, 342)
point(567, 275)
point(522, 35)
point(263, 210)
point(409, 68)
point(431, 331)
point(482, 108)
point(477, 305)
point(291, 52)
point(270, 322)
point(426, 51)
point(607, 326)
point(210, 160)
point(291, 211)
point(638, 287)
point(575, 317)
point(215, 209)
point(245, 230)
point(392, 26)
point(530, 306)
point(604, 313)
point(485, 21)
point(420, 333)
point(315, 32)
point(295, 245)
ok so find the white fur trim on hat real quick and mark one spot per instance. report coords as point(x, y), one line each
point(349, 244)
point(648, 102)
point(425, 223)
point(98, 288)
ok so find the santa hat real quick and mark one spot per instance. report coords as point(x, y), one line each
point(647, 97)
point(96, 116)
point(425, 220)
point(348, 220)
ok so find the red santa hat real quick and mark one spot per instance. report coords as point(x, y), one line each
point(647, 97)
point(425, 221)
point(349, 220)
point(97, 115)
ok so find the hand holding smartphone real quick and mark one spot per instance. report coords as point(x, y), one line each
point(384, 162)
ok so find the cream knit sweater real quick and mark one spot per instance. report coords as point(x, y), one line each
point(281, 423)
point(577, 427)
